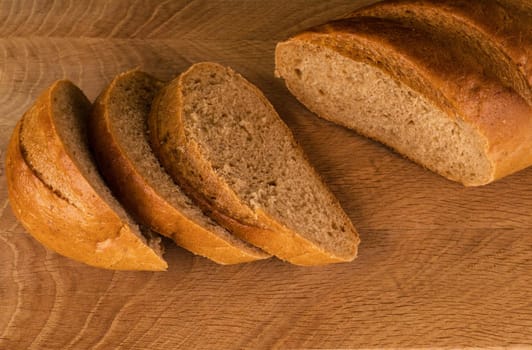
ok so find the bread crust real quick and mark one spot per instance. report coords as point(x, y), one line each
point(427, 65)
point(146, 205)
point(183, 160)
point(85, 228)
point(505, 30)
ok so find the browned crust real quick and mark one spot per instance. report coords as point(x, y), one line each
point(183, 160)
point(144, 203)
point(428, 65)
point(507, 31)
point(89, 233)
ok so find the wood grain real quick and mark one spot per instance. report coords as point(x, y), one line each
point(439, 266)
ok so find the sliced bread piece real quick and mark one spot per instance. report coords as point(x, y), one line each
point(59, 197)
point(118, 137)
point(220, 138)
point(497, 32)
point(416, 91)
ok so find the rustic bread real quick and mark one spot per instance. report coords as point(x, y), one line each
point(498, 32)
point(118, 137)
point(57, 194)
point(220, 138)
point(417, 91)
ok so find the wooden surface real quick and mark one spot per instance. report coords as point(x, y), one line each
point(439, 265)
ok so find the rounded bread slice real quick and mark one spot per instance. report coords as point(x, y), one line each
point(220, 138)
point(59, 197)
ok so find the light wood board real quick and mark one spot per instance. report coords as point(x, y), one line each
point(440, 265)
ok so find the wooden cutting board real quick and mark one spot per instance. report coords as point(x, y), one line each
point(440, 265)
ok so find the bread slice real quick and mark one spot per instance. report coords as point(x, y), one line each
point(416, 91)
point(499, 33)
point(118, 136)
point(222, 140)
point(59, 197)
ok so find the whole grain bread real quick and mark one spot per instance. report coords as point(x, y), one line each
point(59, 197)
point(418, 91)
point(118, 137)
point(219, 137)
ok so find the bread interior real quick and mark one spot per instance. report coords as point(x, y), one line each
point(363, 97)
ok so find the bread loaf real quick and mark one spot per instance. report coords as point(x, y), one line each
point(59, 197)
point(417, 90)
point(118, 136)
point(218, 136)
